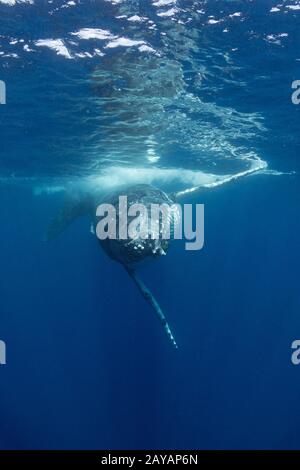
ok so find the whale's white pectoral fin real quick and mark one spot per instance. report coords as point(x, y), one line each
point(257, 165)
point(71, 210)
point(154, 304)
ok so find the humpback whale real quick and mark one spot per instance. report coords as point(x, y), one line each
point(144, 100)
point(131, 252)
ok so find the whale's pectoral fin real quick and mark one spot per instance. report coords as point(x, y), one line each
point(257, 165)
point(154, 304)
point(71, 210)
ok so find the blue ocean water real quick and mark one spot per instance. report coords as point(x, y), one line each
point(178, 94)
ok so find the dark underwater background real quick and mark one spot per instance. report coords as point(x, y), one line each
point(97, 90)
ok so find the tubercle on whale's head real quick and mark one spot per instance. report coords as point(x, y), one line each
point(137, 251)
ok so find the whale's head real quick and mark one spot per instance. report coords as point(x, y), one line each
point(142, 222)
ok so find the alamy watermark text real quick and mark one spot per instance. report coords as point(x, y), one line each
point(159, 221)
point(2, 92)
point(2, 352)
point(296, 94)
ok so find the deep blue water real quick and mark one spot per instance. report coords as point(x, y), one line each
point(190, 87)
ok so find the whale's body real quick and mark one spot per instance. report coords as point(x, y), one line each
point(132, 251)
point(129, 252)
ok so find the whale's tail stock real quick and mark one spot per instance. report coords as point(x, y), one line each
point(74, 206)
